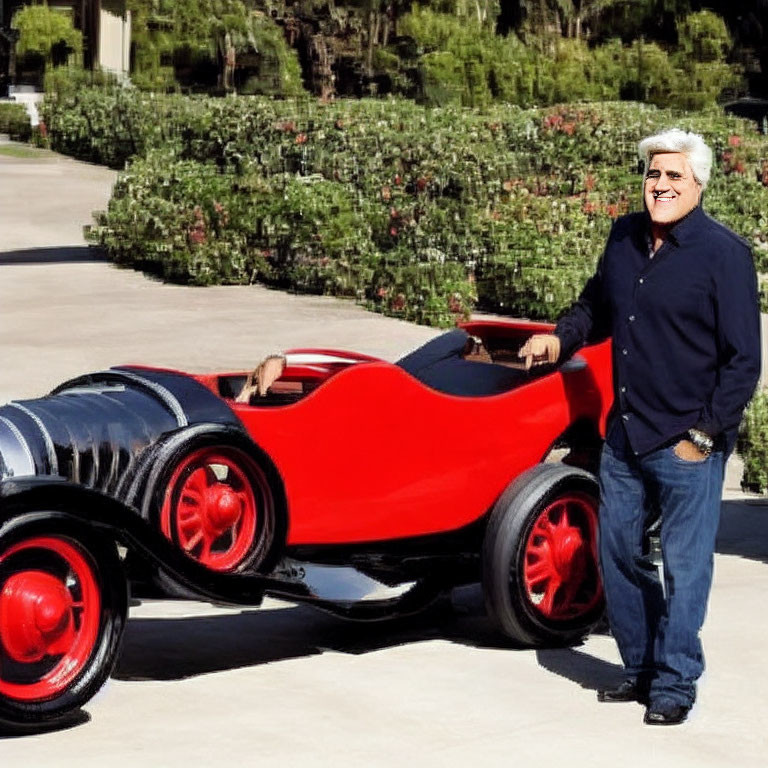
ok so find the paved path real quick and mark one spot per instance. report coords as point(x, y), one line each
point(286, 685)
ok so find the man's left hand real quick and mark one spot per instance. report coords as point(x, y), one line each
point(687, 451)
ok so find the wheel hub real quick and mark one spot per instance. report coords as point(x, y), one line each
point(35, 616)
point(222, 508)
point(565, 553)
point(560, 568)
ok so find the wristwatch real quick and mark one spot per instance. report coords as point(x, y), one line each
point(703, 442)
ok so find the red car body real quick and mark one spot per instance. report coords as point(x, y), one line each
point(377, 455)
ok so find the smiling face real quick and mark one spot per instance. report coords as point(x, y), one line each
point(671, 191)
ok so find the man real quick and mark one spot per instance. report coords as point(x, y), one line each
point(678, 293)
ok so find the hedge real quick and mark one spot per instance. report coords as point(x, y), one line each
point(753, 444)
point(14, 121)
point(422, 213)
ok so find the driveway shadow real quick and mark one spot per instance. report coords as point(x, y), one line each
point(587, 671)
point(74, 254)
point(744, 529)
point(172, 649)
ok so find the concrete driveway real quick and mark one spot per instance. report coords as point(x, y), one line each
point(286, 685)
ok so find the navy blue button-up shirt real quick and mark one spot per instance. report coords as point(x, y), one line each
point(685, 327)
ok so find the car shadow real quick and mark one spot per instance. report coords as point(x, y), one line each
point(75, 254)
point(72, 720)
point(172, 649)
point(176, 648)
point(744, 529)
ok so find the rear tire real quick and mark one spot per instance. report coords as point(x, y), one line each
point(540, 571)
point(63, 606)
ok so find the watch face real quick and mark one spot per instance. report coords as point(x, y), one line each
point(703, 442)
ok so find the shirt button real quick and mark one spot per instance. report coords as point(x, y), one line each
point(641, 281)
point(625, 416)
point(623, 389)
point(631, 318)
point(624, 351)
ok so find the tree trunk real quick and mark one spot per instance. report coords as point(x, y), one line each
point(374, 19)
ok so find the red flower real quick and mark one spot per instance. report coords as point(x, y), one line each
point(612, 210)
point(301, 138)
point(589, 182)
point(386, 193)
point(399, 302)
point(393, 231)
point(398, 179)
point(421, 183)
point(734, 140)
point(382, 292)
point(568, 128)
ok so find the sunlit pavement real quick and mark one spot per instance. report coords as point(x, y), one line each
point(287, 685)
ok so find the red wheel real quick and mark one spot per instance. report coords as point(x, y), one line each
point(540, 570)
point(49, 617)
point(62, 612)
point(217, 507)
point(560, 560)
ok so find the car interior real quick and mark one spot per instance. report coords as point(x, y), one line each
point(457, 362)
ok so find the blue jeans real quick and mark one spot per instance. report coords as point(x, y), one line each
point(657, 627)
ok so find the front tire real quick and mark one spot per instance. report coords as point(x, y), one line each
point(540, 570)
point(63, 606)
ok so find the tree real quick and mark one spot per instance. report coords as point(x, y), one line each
point(46, 33)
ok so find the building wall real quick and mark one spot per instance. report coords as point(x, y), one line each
point(114, 38)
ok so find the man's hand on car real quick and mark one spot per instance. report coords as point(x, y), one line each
point(539, 349)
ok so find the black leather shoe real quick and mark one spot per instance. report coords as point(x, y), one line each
point(666, 715)
point(625, 691)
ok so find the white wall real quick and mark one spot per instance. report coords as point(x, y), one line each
point(115, 42)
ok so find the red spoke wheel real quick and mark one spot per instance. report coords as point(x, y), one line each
point(560, 559)
point(218, 508)
point(60, 624)
point(540, 569)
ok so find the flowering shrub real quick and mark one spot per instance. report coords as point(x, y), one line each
point(753, 444)
point(421, 213)
point(14, 121)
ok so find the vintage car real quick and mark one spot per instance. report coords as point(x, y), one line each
point(364, 487)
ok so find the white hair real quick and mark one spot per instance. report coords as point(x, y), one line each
point(691, 145)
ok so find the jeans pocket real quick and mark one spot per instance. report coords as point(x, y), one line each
point(687, 462)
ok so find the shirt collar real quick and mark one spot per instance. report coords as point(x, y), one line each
point(686, 227)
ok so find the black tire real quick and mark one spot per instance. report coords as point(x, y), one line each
point(540, 573)
point(56, 569)
point(254, 478)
